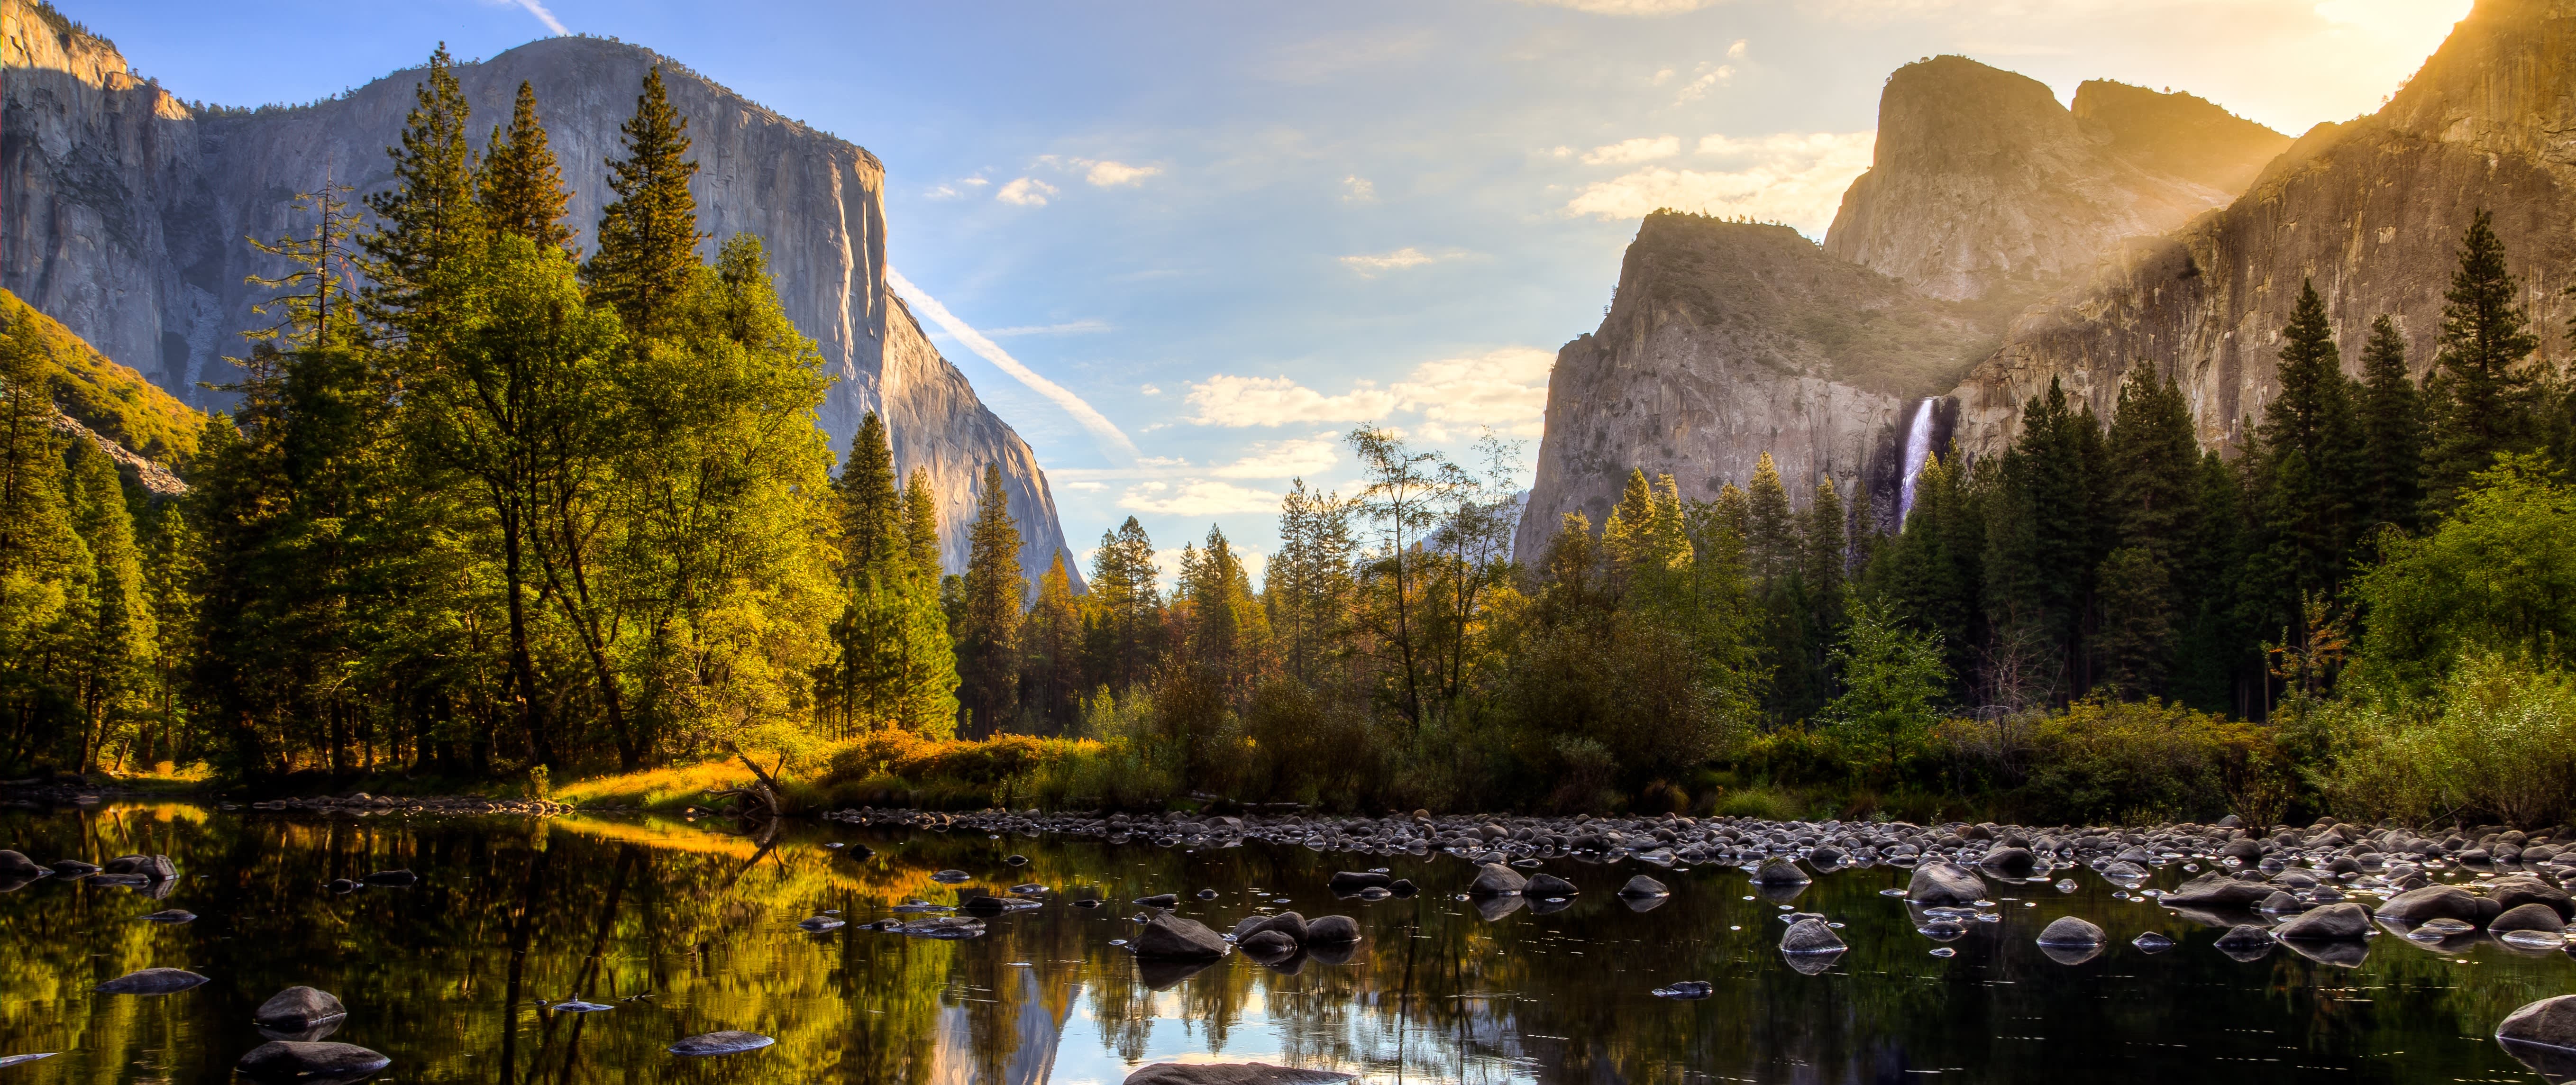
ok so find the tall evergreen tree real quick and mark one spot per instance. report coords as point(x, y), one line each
point(2044, 542)
point(1050, 641)
point(113, 648)
point(2155, 466)
point(521, 186)
point(988, 623)
point(1125, 624)
point(648, 236)
point(1306, 588)
point(1771, 531)
point(2311, 463)
point(921, 525)
point(870, 509)
point(2392, 432)
point(429, 223)
point(2482, 397)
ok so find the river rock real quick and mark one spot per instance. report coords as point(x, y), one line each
point(720, 1043)
point(1179, 938)
point(151, 981)
point(1497, 880)
point(298, 1008)
point(2550, 1022)
point(2214, 890)
point(288, 1060)
point(2534, 916)
point(1267, 945)
point(74, 868)
point(1643, 886)
point(1780, 872)
point(1810, 936)
point(2069, 931)
point(1231, 1073)
point(1332, 930)
point(1290, 924)
point(1944, 883)
point(2245, 936)
point(16, 865)
point(819, 924)
point(2331, 923)
point(1352, 881)
point(2514, 892)
point(1543, 886)
point(2431, 902)
point(2244, 851)
point(2011, 862)
point(156, 867)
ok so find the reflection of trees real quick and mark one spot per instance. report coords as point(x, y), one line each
point(444, 976)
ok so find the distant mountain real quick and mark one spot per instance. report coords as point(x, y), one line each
point(1726, 340)
point(126, 211)
point(2372, 211)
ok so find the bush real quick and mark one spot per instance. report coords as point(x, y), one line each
point(2102, 759)
point(2500, 742)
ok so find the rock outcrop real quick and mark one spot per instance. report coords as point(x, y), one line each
point(2371, 211)
point(1727, 340)
point(1983, 185)
point(129, 208)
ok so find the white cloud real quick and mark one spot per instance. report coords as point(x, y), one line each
point(1358, 189)
point(1084, 326)
point(1286, 459)
point(1707, 81)
point(1662, 77)
point(1630, 7)
point(1106, 174)
point(1505, 389)
point(1197, 497)
point(1736, 51)
point(1026, 191)
point(1628, 151)
point(1370, 264)
point(1151, 390)
point(1277, 401)
point(1106, 433)
point(532, 7)
point(1789, 177)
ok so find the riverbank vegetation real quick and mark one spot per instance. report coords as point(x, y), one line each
point(502, 504)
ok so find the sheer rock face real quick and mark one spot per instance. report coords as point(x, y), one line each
point(2372, 211)
point(1728, 340)
point(1983, 184)
point(128, 210)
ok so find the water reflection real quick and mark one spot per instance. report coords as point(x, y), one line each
point(679, 930)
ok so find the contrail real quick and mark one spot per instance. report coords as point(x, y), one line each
point(1102, 429)
point(544, 16)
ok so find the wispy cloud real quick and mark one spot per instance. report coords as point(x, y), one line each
point(1505, 389)
point(1197, 497)
point(1358, 189)
point(1708, 80)
point(1640, 149)
point(547, 17)
point(1106, 174)
point(1111, 439)
point(1370, 264)
point(1026, 191)
point(1790, 177)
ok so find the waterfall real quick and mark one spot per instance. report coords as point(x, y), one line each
point(1918, 447)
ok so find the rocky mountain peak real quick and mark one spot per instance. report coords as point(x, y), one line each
point(2502, 83)
point(1983, 185)
point(2176, 134)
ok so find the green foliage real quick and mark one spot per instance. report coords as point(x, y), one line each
point(2498, 574)
point(2483, 397)
point(648, 236)
point(2498, 740)
point(988, 616)
point(111, 399)
point(1892, 676)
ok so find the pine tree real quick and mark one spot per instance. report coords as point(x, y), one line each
point(648, 236)
point(870, 509)
point(1050, 641)
point(2482, 396)
point(2392, 432)
point(1823, 554)
point(988, 623)
point(1307, 587)
point(114, 646)
point(428, 224)
point(1771, 532)
point(1124, 637)
point(2044, 538)
point(2311, 456)
point(2154, 464)
point(521, 186)
point(921, 525)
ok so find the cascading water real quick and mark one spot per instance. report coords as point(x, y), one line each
point(1918, 448)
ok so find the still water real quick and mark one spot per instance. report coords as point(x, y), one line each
point(687, 929)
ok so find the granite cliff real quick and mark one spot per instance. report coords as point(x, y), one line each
point(1727, 340)
point(2371, 211)
point(126, 210)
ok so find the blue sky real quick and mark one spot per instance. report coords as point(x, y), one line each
point(1234, 230)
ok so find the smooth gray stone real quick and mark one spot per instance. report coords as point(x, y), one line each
point(1332, 930)
point(1179, 937)
point(2534, 916)
point(2216, 890)
point(2069, 930)
point(721, 1043)
point(1643, 886)
point(1810, 936)
point(151, 981)
point(1497, 880)
point(2332, 923)
point(1543, 886)
point(14, 864)
point(289, 1060)
point(1779, 872)
point(297, 1008)
point(1944, 883)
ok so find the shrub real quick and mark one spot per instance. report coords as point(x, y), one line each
point(2500, 741)
point(2105, 759)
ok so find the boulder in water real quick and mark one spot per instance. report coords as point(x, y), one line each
point(298, 1008)
point(1643, 886)
point(1780, 872)
point(1332, 930)
point(2415, 906)
point(2070, 931)
point(1176, 937)
point(2010, 862)
point(307, 1063)
point(1352, 881)
point(1497, 880)
point(720, 1043)
point(1810, 936)
point(2215, 890)
point(1543, 886)
point(2534, 916)
point(1944, 883)
point(1231, 1073)
point(151, 981)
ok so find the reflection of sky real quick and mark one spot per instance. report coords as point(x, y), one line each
point(1236, 230)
